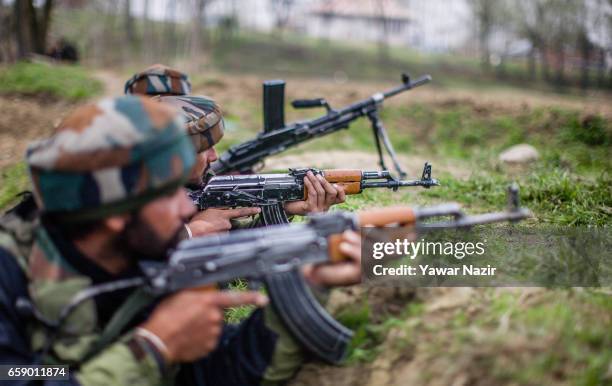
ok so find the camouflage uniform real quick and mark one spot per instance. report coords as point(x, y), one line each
point(104, 159)
point(203, 119)
point(158, 80)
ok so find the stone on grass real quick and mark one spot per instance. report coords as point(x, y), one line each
point(519, 154)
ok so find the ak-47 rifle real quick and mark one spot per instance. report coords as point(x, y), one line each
point(271, 191)
point(273, 256)
point(277, 137)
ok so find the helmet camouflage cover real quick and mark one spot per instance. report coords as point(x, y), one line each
point(158, 80)
point(110, 157)
point(204, 119)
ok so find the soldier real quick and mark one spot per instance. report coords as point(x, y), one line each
point(206, 127)
point(108, 188)
point(158, 80)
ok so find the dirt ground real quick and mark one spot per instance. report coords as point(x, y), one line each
point(23, 120)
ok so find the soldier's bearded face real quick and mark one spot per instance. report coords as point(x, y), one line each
point(203, 161)
point(156, 227)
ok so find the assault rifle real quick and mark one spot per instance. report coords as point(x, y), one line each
point(277, 137)
point(273, 256)
point(271, 191)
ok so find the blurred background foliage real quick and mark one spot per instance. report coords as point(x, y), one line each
point(532, 43)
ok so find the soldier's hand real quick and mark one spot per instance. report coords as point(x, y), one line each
point(321, 196)
point(344, 273)
point(189, 323)
point(217, 220)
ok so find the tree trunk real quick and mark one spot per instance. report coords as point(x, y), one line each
point(484, 30)
point(30, 27)
point(560, 76)
point(128, 22)
point(170, 30)
point(383, 43)
point(585, 55)
point(500, 71)
point(196, 32)
point(544, 65)
point(531, 64)
point(540, 40)
point(40, 26)
point(7, 53)
point(601, 68)
point(147, 35)
point(23, 32)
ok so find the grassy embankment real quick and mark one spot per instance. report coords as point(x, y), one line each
point(45, 83)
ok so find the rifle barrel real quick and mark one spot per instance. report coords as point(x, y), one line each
point(419, 82)
point(486, 218)
point(394, 184)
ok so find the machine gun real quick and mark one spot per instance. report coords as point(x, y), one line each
point(271, 191)
point(277, 137)
point(273, 256)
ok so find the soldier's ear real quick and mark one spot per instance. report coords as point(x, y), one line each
point(116, 223)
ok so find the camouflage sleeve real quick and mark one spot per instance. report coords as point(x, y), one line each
point(131, 361)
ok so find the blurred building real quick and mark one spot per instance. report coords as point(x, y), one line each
point(360, 20)
point(439, 25)
point(428, 25)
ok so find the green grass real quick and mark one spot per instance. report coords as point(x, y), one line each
point(464, 130)
point(48, 81)
point(238, 314)
point(580, 350)
point(370, 330)
point(13, 180)
point(556, 197)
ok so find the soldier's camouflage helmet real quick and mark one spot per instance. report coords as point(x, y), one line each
point(204, 119)
point(110, 157)
point(158, 80)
